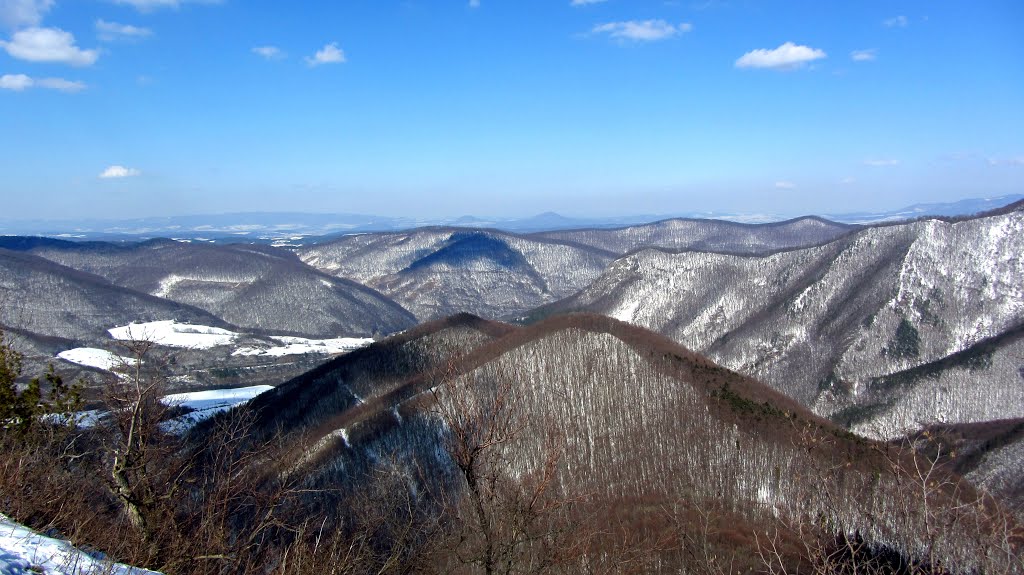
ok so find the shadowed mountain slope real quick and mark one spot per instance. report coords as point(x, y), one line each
point(634, 416)
point(918, 308)
point(708, 236)
point(252, 286)
point(435, 272)
point(47, 299)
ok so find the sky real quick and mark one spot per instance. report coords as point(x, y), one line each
point(134, 108)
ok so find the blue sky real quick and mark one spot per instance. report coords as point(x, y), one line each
point(128, 108)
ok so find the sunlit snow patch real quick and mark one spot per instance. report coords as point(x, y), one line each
point(174, 334)
point(23, 551)
point(208, 403)
point(93, 357)
point(301, 345)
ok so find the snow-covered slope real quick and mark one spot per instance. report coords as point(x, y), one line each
point(831, 325)
point(250, 286)
point(25, 552)
point(435, 272)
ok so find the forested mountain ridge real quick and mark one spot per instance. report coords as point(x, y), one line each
point(881, 329)
point(435, 272)
point(708, 235)
point(251, 286)
point(613, 415)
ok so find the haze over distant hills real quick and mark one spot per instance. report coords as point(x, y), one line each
point(292, 228)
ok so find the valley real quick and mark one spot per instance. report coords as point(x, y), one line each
point(504, 396)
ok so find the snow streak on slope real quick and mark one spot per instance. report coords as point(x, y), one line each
point(25, 552)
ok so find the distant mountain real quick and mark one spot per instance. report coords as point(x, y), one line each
point(643, 434)
point(881, 330)
point(435, 272)
point(290, 228)
point(250, 286)
point(707, 235)
point(968, 207)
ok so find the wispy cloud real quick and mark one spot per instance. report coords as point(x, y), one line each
point(48, 45)
point(112, 31)
point(115, 172)
point(268, 52)
point(642, 30)
point(474, 3)
point(847, 181)
point(585, 2)
point(150, 5)
point(329, 54)
point(881, 162)
point(788, 56)
point(21, 82)
point(895, 22)
point(1014, 161)
point(785, 185)
point(19, 13)
point(864, 55)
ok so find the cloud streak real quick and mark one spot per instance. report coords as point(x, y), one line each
point(642, 30)
point(112, 31)
point(864, 55)
point(268, 52)
point(788, 56)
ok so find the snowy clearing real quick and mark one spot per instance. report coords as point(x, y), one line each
point(174, 334)
point(300, 345)
point(25, 552)
point(207, 404)
point(94, 357)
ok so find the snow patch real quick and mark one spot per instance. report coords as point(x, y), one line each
point(93, 357)
point(173, 334)
point(207, 403)
point(23, 551)
point(301, 345)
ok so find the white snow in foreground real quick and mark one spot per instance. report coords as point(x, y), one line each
point(25, 552)
point(174, 334)
point(93, 357)
point(207, 404)
point(300, 345)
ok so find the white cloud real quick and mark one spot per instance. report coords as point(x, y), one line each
point(18, 13)
point(895, 22)
point(19, 82)
point(786, 57)
point(119, 172)
point(268, 52)
point(785, 185)
point(642, 30)
point(149, 5)
point(585, 2)
point(111, 31)
point(863, 55)
point(881, 162)
point(329, 54)
point(48, 45)
point(847, 181)
point(16, 82)
point(474, 3)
